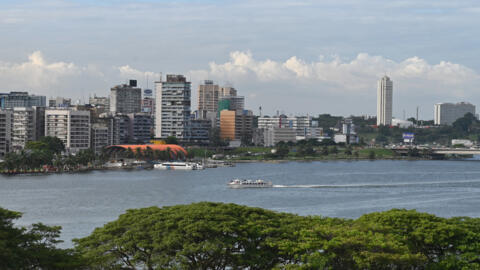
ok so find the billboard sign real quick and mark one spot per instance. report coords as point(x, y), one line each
point(408, 137)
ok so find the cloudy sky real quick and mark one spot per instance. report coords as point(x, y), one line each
point(295, 56)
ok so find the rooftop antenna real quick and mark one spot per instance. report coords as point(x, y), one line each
point(260, 109)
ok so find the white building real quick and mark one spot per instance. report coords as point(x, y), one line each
point(27, 125)
point(447, 113)
point(384, 101)
point(401, 123)
point(300, 124)
point(126, 98)
point(274, 135)
point(69, 125)
point(172, 112)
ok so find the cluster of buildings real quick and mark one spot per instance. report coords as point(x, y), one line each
point(132, 115)
point(444, 113)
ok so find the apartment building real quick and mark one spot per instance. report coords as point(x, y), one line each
point(69, 125)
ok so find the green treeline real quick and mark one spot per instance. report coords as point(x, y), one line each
point(228, 236)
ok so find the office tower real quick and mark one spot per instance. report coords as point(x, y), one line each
point(447, 113)
point(172, 107)
point(21, 99)
point(236, 125)
point(140, 127)
point(69, 125)
point(126, 98)
point(99, 136)
point(384, 101)
point(235, 103)
point(208, 94)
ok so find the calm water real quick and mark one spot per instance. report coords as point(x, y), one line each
point(81, 202)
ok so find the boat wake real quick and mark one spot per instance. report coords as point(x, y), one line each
point(380, 185)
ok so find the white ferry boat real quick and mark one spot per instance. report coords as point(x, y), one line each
point(184, 166)
point(246, 183)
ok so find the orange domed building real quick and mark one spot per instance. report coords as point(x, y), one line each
point(173, 148)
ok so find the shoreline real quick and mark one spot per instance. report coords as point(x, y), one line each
point(234, 161)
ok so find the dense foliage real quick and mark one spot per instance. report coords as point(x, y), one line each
point(31, 248)
point(467, 127)
point(228, 236)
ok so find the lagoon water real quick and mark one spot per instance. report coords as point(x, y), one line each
point(81, 202)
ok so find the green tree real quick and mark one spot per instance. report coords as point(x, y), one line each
point(53, 144)
point(325, 150)
point(196, 236)
point(348, 150)
point(282, 150)
point(371, 154)
point(33, 248)
point(171, 140)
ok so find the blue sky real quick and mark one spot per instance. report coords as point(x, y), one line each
point(294, 56)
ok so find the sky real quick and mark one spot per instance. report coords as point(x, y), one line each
point(293, 56)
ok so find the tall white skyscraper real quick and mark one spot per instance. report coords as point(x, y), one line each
point(172, 111)
point(384, 101)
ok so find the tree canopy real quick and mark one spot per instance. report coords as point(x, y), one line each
point(228, 236)
point(32, 248)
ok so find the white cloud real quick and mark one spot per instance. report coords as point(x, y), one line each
point(36, 73)
point(358, 74)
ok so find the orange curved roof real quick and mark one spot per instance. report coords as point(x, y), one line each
point(161, 147)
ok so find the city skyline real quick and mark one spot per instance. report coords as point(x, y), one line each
point(89, 47)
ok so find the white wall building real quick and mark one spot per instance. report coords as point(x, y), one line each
point(384, 101)
point(27, 125)
point(401, 123)
point(172, 111)
point(300, 124)
point(447, 113)
point(69, 125)
point(274, 135)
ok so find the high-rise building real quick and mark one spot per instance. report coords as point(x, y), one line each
point(59, 102)
point(103, 102)
point(172, 107)
point(447, 113)
point(6, 117)
point(235, 103)
point(28, 125)
point(236, 125)
point(126, 98)
point(118, 127)
point(69, 125)
point(99, 136)
point(21, 99)
point(208, 94)
point(199, 130)
point(384, 101)
point(226, 91)
point(140, 127)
